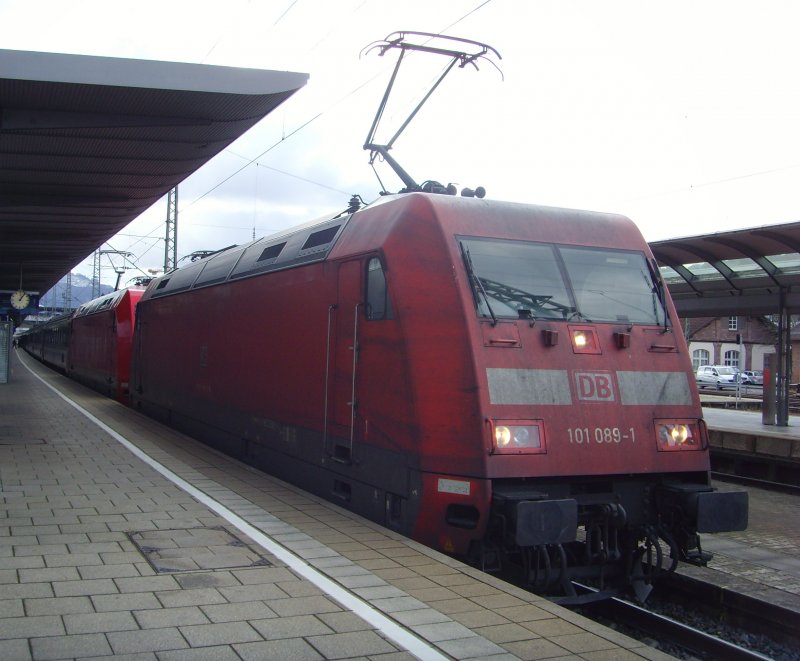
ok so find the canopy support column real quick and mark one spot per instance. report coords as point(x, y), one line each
point(784, 361)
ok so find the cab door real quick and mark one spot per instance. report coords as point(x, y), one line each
point(344, 320)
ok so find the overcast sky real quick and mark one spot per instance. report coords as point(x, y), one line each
point(682, 115)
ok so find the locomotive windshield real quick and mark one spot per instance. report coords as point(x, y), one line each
point(547, 281)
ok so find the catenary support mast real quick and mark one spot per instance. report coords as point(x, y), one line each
point(171, 240)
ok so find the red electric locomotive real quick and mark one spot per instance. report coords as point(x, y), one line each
point(93, 344)
point(101, 342)
point(500, 381)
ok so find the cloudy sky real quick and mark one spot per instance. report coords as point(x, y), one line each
point(683, 115)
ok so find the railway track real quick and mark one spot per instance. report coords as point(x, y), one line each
point(673, 636)
point(782, 487)
point(691, 618)
point(745, 463)
point(760, 616)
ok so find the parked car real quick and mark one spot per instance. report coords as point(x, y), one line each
point(753, 377)
point(716, 376)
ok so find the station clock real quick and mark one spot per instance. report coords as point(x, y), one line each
point(20, 300)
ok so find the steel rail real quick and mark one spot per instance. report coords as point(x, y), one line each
point(668, 629)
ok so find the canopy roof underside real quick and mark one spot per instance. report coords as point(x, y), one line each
point(742, 272)
point(89, 143)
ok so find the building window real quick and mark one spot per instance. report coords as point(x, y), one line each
point(732, 358)
point(700, 357)
point(733, 323)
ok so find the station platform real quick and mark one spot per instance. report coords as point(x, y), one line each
point(764, 560)
point(122, 538)
point(741, 444)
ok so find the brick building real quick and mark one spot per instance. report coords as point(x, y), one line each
point(736, 341)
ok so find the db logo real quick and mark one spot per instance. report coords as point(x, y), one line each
point(594, 386)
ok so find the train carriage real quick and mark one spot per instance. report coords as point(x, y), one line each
point(102, 341)
point(49, 341)
point(497, 380)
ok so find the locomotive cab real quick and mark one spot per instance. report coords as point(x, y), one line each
point(595, 452)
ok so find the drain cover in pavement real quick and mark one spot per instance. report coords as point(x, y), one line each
point(192, 549)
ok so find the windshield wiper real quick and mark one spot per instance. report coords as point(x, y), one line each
point(475, 282)
point(509, 295)
point(573, 314)
point(659, 289)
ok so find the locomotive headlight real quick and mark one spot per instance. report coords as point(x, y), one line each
point(502, 436)
point(673, 435)
point(517, 437)
point(679, 433)
point(584, 339)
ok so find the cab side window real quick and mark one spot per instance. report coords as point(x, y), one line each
point(378, 305)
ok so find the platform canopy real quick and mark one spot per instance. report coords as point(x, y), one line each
point(752, 271)
point(89, 143)
point(747, 272)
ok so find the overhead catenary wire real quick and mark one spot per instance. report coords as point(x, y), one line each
point(286, 11)
point(223, 34)
point(308, 122)
point(714, 182)
point(286, 136)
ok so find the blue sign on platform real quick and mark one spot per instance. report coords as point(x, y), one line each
point(5, 350)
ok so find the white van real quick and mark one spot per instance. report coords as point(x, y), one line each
point(717, 376)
